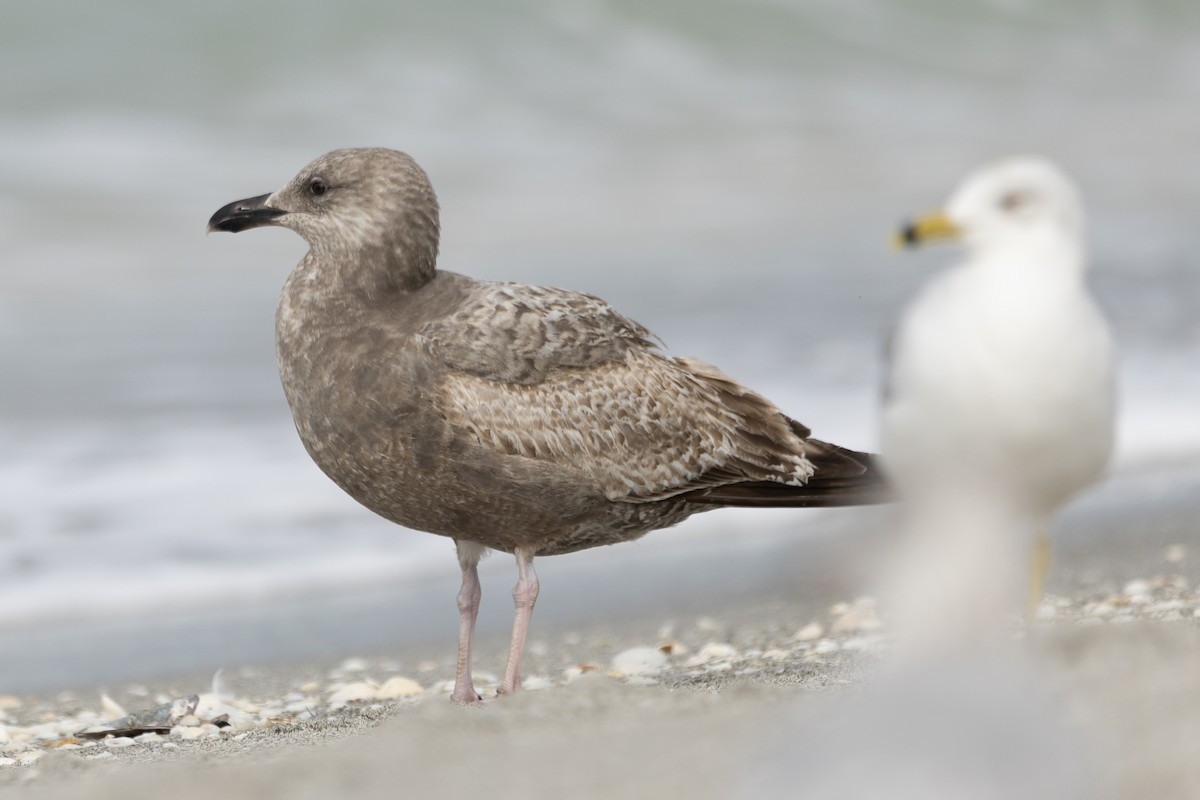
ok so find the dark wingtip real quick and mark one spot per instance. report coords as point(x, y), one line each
point(843, 477)
point(241, 215)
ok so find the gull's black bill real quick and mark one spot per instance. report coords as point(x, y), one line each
point(907, 235)
point(243, 214)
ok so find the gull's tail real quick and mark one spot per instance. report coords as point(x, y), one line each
point(841, 477)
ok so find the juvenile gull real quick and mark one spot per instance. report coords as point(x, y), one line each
point(525, 419)
point(1001, 388)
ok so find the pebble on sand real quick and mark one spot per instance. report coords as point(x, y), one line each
point(826, 646)
point(33, 728)
point(860, 616)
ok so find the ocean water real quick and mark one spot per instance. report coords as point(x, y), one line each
point(726, 173)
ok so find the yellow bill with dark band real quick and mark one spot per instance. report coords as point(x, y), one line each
point(925, 228)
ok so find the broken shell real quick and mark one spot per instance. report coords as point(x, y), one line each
point(399, 686)
point(352, 693)
point(111, 707)
point(673, 647)
point(810, 632)
point(859, 617)
point(638, 661)
point(641, 680)
point(571, 674)
point(713, 651)
point(187, 732)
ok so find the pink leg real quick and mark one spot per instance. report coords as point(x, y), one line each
point(468, 610)
point(524, 596)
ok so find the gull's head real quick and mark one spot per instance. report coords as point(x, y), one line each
point(371, 204)
point(1017, 200)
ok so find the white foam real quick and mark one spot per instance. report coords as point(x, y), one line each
point(105, 515)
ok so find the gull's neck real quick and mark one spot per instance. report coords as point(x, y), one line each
point(1046, 253)
point(358, 257)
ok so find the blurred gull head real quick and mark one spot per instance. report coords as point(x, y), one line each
point(1011, 203)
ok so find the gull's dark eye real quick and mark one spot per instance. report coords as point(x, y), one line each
point(318, 186)
point(1011, 201)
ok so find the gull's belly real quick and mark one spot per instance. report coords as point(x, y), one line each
point(1022, 401)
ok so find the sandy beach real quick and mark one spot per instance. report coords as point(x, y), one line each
point(699, 728)
point(677, 695)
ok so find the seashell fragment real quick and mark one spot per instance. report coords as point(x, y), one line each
point(638, 661)
point(398, 686)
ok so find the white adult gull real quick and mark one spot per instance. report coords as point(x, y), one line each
point(530, 420)
point(1000, 386)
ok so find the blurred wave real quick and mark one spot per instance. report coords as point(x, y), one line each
point(725, 173)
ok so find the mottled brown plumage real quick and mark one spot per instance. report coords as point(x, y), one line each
point(526, 419)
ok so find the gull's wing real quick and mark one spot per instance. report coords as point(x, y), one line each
point(560, 376)
point(513, 333)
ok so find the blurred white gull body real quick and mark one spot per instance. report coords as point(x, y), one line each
point(1000, 398)
point(998, 409)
